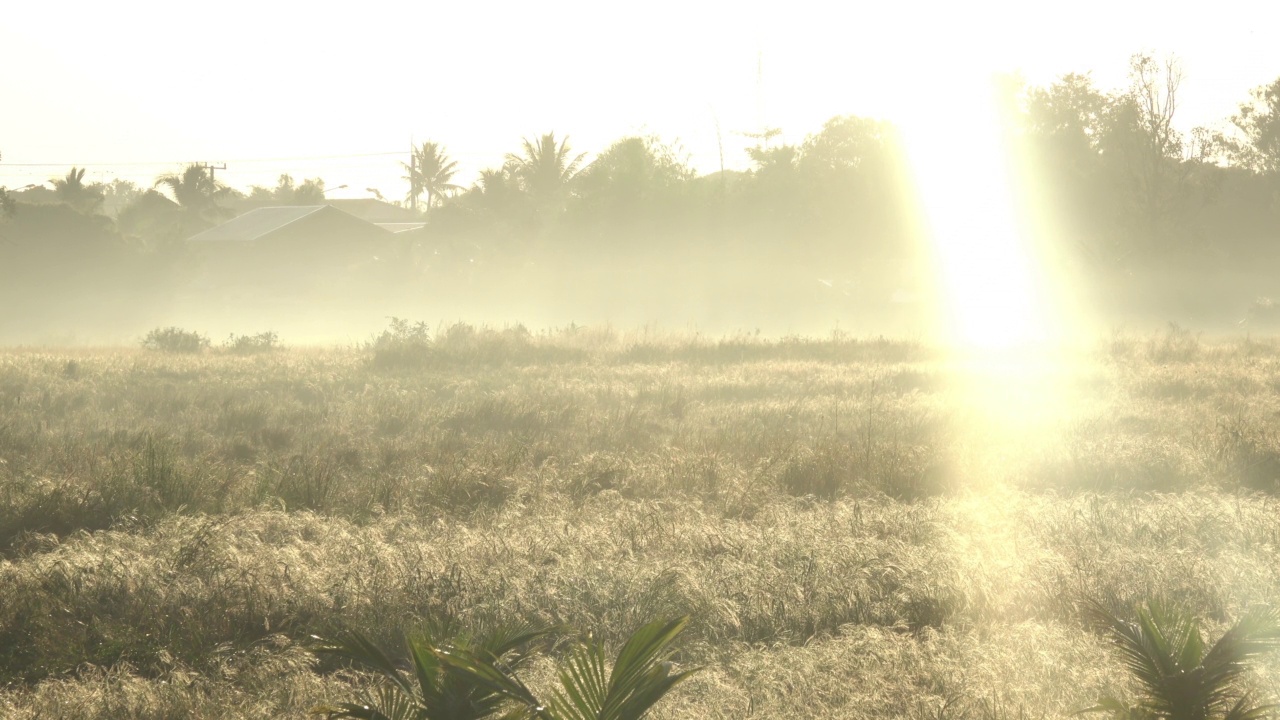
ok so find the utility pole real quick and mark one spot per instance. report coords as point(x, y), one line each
point(212, 169)
point(760, 96)
point(413, 177)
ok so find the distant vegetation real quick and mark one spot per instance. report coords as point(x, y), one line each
point(1144, 211)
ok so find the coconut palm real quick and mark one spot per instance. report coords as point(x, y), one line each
point(198, 193)
point(545, 170)
point(430, 173)
point(435, 689)
point(72, 190)
point(1177, 677)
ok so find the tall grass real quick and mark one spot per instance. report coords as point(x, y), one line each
point(173, 528)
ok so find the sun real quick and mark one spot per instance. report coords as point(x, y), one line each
point(992, 293)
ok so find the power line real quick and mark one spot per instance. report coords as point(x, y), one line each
point(185, 162)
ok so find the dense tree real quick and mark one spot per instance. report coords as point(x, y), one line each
point(287, 192)
point(494, 213)
point(1155, 157)
point(430, 172)
point(6, 202)
point(1257, 145)
point(774, 191)
point(1062, 128)
point(151, 221)
point(117, 195)
point(853, 180)
point(635, 181)
point(1111, 175)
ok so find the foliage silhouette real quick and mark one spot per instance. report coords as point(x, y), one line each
point(430, 173)
point(545, 170)
point(175, 340)
point(72, 190)
point(199, 195)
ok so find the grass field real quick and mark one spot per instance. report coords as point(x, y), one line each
point(858, 528)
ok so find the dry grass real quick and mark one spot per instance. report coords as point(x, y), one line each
point(848, 536)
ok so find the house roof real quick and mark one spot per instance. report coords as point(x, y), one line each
point(260, 222)
point(375, 211)
point(401, 226)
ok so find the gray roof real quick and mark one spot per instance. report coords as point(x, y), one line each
point(261, 222)
point(401, 227)
point(256, 223)
point(375, 211)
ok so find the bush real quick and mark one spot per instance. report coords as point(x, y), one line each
point(252, 344)
point(175, 340)
point(404, 344)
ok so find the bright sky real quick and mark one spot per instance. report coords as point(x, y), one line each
point(133, 89)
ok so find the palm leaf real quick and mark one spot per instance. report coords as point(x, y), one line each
point(386, 702)
point(639, 678)
point(354, 646)
point(458, 676)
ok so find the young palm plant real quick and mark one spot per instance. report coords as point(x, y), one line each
point(1178, 678)
point(435, 689)
point(470, 679)
point(640, 677)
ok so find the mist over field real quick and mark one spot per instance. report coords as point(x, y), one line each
point(1125, 219)
point(958, 401)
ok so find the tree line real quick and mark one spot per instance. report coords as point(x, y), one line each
point(1105, 176)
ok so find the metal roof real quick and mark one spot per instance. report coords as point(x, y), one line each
point(261, 222)
point(401, 227)
point(256, 223)
point(375, 211)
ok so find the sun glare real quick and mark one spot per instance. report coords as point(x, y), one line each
point(998, 294)
point(986, 271)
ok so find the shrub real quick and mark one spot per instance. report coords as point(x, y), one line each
point(252, 344)
point(175, 340)
point(404, 344)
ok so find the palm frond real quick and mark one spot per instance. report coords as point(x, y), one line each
point(354, 646)
point(1242, 710)
point(639, 679)
point(1164, 651)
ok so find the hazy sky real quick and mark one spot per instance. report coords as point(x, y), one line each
point(134, 89)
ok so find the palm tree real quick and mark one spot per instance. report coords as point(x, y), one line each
point(430, 172)
point(198, 193)
point(72, 190)
point(1178, 679)
point(545, 170)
